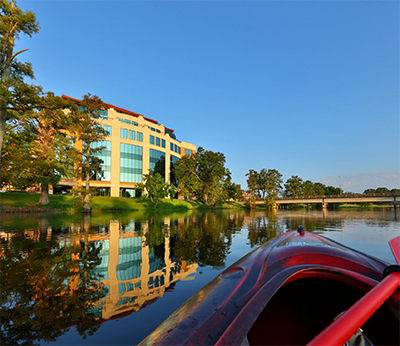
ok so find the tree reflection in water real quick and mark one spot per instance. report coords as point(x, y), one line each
point(205, 239)
point(47, 286)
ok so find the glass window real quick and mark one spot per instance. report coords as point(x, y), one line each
point(151, 139)
point(131, 134)
point(158, 142)
point(171, 147)
point(172, 177)
point(163, 143)
point(104, 173)
point(121, 120)
point(134, 123)
point(124, 133)
point(102, 114)
point(131, 163)
point(139, 136)
point(108, 129)
point(157, 162)
point(126, 121)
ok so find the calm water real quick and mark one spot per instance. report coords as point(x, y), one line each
point(113, 278)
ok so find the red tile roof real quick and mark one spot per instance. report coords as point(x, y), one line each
point(119, 110)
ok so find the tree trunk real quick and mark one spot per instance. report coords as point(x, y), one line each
point(86, 200)
point(44, 195)
point(86, 204)
point(2, 128)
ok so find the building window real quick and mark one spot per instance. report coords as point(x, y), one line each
point(120, 120)
point(102, 114)
point(171, 145)
point(104, 173)
point(163, 143)
point(103, 191)
point(172, 178)
point(124, 133)
point(131, 163)
point(139, 136)
point(132, 135)
point(158, 142)
point(157, 162)
point(129, 193)
point(126, 121)
point(151, 139)
point(108, 129)
point(134, 123)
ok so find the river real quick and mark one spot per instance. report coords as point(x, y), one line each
point(113, 278)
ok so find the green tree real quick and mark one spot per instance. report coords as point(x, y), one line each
point(313, 189)
point(185, 171)
point(272, 185)
point(51, 154)
point(155, 188)
point(382, 190)
point(369, 191)
point(15, 95)
point(293, 186)
point(88, 131)
point(330, 190)
point(252, 183)
point(231, 190)
point(211, 171)
point(16, 153)
point(395, 190)
point(319, 189)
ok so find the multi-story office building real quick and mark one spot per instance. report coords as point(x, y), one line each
point(135, 145)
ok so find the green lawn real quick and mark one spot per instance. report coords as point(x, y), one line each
point(68, 203)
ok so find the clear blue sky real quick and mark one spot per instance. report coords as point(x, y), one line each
point(310, 88)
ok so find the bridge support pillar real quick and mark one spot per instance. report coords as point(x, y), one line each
point(324, 206)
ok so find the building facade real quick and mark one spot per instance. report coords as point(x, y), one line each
point(135, 145)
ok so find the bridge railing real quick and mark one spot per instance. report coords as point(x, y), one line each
point(341, 196)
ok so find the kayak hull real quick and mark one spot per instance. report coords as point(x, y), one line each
point(283, 293)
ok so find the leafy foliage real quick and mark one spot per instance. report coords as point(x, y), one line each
point(15, 94)
point(202, 175)
point(155, 188)
point(267, 185)
point(87, 130)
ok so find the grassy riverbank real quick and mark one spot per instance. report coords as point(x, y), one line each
point(28, 202)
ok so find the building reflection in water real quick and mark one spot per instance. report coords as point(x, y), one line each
point(133, 273)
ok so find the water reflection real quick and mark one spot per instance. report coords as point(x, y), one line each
point(46, 289)
point(87, 272)
point(72, 271)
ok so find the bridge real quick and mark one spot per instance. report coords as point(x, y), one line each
point(391, 198)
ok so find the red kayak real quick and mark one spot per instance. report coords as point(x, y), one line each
point(299, 288)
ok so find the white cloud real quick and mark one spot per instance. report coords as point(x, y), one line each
point(362, 181)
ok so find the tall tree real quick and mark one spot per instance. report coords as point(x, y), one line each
point(185, 171)
point(252, 188)
point(88, 131)
point(231, 190)
point(293, 186)
point(272, 186)
point(211, 171)
point(51, 151)
point(15, 95)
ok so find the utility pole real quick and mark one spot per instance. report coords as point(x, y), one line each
point(340, 184)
